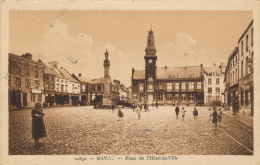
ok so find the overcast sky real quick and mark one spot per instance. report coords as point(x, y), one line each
point(79, 39)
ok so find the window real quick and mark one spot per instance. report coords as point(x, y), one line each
point(36, 84)
point(177, 86)
point(169, 97)
point(209, 81)
point(176, 97)
point(218, 98)
point(150, 86)
point(242, 69)
point(191, 97)
point(141, 87)
point(18, 71)
point(160, 97)
point(27, 83)
point(66, 88)
point(52, 78)
point(217, 81)
point(209, 90)
point(161, 86)
point(183, 86)
point(246, 67)
point(58, 87)
point(183, 96)
point(99, 87)
point(247, 42)
point(242, 48)
point(169, 86)
point(191, 85)
point(252, 37)
point(236, 76)
point(199, 85)
point(27, 72)
point(62, 88)
point(36, 74)
point(217, 90)
point(51, 86)
point(46, 86)
point(18, 81)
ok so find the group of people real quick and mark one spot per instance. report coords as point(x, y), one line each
point(215, 116)
point(183, 111)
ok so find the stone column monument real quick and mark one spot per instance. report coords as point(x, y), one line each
point(106, 94)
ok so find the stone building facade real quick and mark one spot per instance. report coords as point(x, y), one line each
point(214, 86)
point(245, 76)
point(26, 78)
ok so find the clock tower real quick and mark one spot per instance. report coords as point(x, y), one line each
point(150, 69)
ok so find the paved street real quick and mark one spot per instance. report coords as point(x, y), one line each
point(86, 131)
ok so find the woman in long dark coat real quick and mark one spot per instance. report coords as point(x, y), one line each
point(215, 117)
point(38, 126)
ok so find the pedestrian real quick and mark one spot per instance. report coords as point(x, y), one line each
point(138, 111)
point(219, 115)
point(177, 110)
point(183, 113)
point(38, 126)
point(120, 114)
point(215, 118)
point(113, 107)
point(156, 105)
point(140, 106)
point(195, 113)
point(234, 108)
point(145, 107)
point(210, 114)
point(133, 106)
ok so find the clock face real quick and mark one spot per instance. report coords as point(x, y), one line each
point(150, 61)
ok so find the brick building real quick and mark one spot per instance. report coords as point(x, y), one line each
point(166, 85)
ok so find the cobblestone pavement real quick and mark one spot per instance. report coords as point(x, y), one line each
point(87, 131)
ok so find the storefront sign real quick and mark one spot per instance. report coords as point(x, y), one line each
point(36, 91)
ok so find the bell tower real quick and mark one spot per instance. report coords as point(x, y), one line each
point(150, 69)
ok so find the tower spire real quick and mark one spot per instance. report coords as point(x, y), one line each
point(150, 48)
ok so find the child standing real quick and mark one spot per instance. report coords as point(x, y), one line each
point(183, 113)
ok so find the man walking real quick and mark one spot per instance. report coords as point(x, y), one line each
point(177, 110)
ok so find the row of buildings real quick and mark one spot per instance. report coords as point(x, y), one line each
point(36, 81)
point(239, 84)
point(176, 85)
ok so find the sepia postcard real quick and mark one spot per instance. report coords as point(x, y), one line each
point(129, 82)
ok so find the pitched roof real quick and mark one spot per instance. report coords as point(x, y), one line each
point(66, 74)
point(178, 72)
point(83, 79)
point(139, 74)
point(98, 81)
point(210, 70)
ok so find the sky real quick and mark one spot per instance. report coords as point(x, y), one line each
point(79, 39)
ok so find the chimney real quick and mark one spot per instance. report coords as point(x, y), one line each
point(165, 67)
point(28, 56)
point(79, 74)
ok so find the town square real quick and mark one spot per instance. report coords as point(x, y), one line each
point(131, 83)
